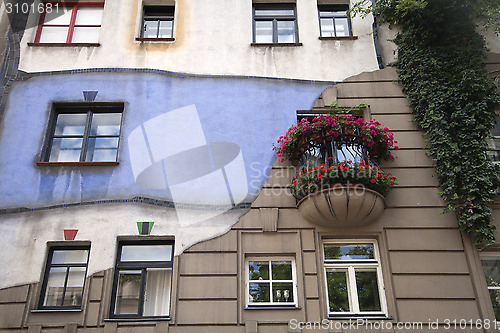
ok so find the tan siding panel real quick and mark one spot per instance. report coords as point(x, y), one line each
point(206, 312)
point(205, 329)
point(420, 310)
point(208, 263)
point(270, 243)
point(417, 217)
point(433, 286)
point(379, 89)
point(207, 287)
point(14, 294)
point(424, 239)
point(380, 105)
point(388, 74)
point(414, 176)
point(308, 242)
point(416, 197)
point(11, 315)
point(95, 288)
point(409, 158)
point(93, 314)
point(397, 122)
point(428, 262)
point(309, 262)
point(272, 197)
point(280, 177)
point(409, 140)
point(223, 243)
point(311, 284)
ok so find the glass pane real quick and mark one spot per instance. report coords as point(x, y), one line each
point(55, 286)
point(281, 270)
point(495, 300)
point(348, 153)
point(106, 124)
point(283, 292)
point(259, 292)
point(341, 27)
point(54, 34)
point(491, 268)
point(258, 270)
point(58, 15)
point(494, 146)
point(86, 35)
point(65, 150)
point(338, 294)
point(70, 124)
point(157, 300)
point(89, 16)
point(496, 128)
point(70, 256)
point(128, 292)
point(367, 286)
point(263, 32)
point(349, 252)
point(74, 288)
point(286, 31)
point(102, 150)
point(166, 29)
point(327, 29)
point(146, 253)
point(274, 12)
point(150, 29)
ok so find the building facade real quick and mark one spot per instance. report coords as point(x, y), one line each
point(140, 191)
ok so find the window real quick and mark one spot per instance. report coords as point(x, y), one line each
point(64, 279)
point(353, 279)
point(84, 133)
point(491, 268)
point(271, 282)
point(70, 23)
point(334, 21)
point(158, 23)
point(274, 23)
point(143, 279)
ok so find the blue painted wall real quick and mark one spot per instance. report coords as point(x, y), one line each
point(251, 113)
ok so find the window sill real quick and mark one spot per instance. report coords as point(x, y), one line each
point(271, 307)
point(64, 44)
point(339, 38)
point(137, 319)
point(76, 163)
point(140, 39)
point(275, 44)
point(354, 316)
point(55, 310)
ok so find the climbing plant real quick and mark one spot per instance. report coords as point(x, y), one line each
point(441, 64)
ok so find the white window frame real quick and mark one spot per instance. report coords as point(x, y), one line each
point(490, 254)
point(493, 149)
point(249, 304)
point(351, 265)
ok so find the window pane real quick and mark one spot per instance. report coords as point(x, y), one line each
point(286, 31)
point(89, 16)
point(263, 32)
point(259, 292)
point(65, 150)
point(70, 124)
point(128, 292)
point(367, 286)
point(281, 270)
point(54, 34)
point(338, 294)
point(55, 286)
point(61, 16)
point(274, 12)
point(258, 270)
point(491, 268)
point(349, 252)
point(341, 27)
point(283, 292)
point(150, 29)
point(327, 29)
point(85, 35)
point(106, 124)
point(74, 288)
point(157, 300)
point(166, 28)
point(146, 253)
point(102, 150)
point(495, 300)
point(70, 256)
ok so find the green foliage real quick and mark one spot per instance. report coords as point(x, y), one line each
point(441, 63)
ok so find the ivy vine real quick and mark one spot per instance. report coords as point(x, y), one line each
point(441, 64)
